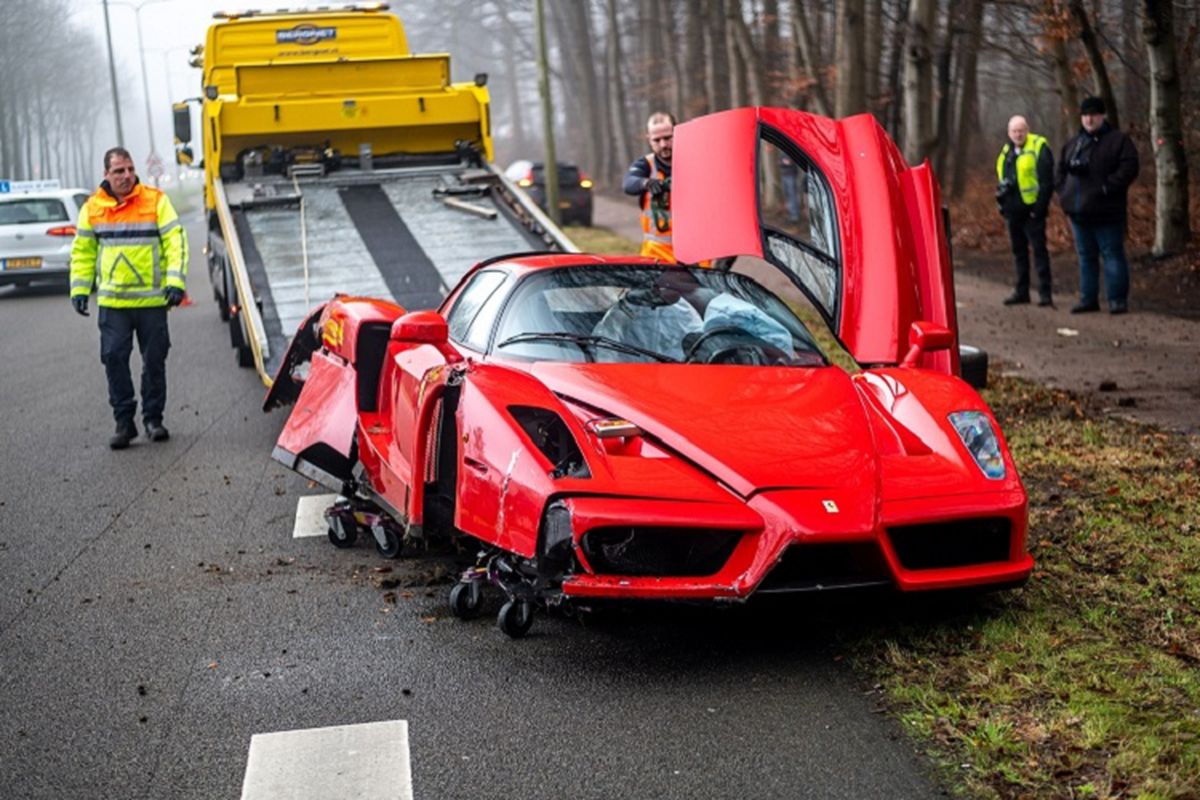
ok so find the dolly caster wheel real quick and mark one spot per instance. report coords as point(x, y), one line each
point(516, 618)
point(343, 532)
point(466, 600)
point(387, 541)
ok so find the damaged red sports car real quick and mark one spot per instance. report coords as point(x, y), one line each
point(612, 427)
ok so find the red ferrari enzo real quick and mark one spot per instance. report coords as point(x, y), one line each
point(607, 427)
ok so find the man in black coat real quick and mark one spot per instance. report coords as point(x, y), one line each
point(1093, 177)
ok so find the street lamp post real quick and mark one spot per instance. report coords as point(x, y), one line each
point(112, 74)
point(153, 160)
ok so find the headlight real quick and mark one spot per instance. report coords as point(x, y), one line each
point(975, 430)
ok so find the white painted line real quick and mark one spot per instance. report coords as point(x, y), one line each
point(310, 515)
point(342, 762)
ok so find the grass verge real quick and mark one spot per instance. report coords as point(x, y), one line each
point(1085, 682)
point(600, 240)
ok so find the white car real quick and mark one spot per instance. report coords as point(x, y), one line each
point(36, 233)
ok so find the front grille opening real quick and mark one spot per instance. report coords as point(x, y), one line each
point(658, 552)
point(813, 567)
point(961, 543)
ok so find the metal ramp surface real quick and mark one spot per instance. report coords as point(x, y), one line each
point(390, 238)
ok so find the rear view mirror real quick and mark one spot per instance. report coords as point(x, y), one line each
point(425, 327)
point(926, 337)
point(183, 124)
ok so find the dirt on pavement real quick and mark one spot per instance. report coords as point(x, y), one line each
point(1144, 365)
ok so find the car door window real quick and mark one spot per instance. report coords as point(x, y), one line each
point(799, 219)
point(470, 320)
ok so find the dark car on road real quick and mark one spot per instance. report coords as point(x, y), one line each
point(574, 189)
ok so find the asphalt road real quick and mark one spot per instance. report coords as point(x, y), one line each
point(156, 613)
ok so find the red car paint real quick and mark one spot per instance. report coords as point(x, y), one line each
point(727, 478)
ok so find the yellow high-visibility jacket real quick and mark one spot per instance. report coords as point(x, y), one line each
point(1026, 166)
point(129, 250)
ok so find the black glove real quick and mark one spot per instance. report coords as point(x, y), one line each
point(80, 302)
point(174, 296)
point(656, 187)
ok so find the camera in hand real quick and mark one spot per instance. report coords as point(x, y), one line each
point(1005, 188)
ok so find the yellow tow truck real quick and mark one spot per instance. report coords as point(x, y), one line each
point(336, 160)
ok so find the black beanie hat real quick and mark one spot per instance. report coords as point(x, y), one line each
point(1092, 105)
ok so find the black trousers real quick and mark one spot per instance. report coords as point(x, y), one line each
point(118, 326)
point(1028, 233)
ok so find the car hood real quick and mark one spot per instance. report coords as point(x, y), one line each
point(752, 428)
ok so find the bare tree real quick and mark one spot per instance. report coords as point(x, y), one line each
point(618, 129)
point(918, 81)
point(851, 85)
point(806, 47)
point(1087, 35)
point(967, 116)
point(1171, 224)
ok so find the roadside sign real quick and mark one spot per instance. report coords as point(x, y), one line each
point(14, 187)
point(154, 165)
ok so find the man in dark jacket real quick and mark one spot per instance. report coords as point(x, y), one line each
point(1092, 179)
point(1025, 171)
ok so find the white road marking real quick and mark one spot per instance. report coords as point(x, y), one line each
point(310, 515)
point(337, 763)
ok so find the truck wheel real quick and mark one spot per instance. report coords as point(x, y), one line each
point(973, 366)
point(237, 339)
point(223, 301)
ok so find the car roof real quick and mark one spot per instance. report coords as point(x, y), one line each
point(56, 194)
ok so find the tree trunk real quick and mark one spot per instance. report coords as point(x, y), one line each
point(851, 86)
point(808, 58)
point(695, 94)
point(1171, 225)
point(737, 66)
point(616, 96)
point(575, 31)
point(1095, 59)
point(918, 82)
point(772, 53)
point(1068, 118)
point(550, 157)
point(896, 87)
point(521, 142)
point(668, 39)
point(874, 52)
point(968, 97)
point(743, 44)
point(717, 67)
point(942, 98)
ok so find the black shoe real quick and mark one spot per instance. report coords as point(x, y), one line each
point(157, 432)
point(1118, 307)
point(1045, 301)
point(1016, 299)
point(1084, 307)
point(126, 433)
